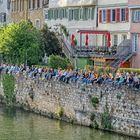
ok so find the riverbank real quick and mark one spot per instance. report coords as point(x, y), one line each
point(17, 124)
point(102, 107)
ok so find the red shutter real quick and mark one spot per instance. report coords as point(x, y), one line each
point(108, 15)
point(100, 16)
point(127, 14)
point(118, 15)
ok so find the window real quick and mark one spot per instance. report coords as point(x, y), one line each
point(134, 42)
point(8, 4)
point(136, 16)
point(124, 37)
point(92, 13)
point(46, 15)
point(105, 40)
point(51, 14)
point(38, 3)
point(81, 13)
point(85, 13)
point(33, 4)
point(56, 14)
point(113, 15)
point(76, 14)
point(2, 17)
point(103, 15)
point(71, 16)
point(29, 4)
point(123, 14)
point(115, 40)
point(45, 2)
point(37, 23)
point(60, 13)
point(65, 13)
point(71, 13)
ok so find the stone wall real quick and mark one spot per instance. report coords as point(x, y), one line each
point(72, 103)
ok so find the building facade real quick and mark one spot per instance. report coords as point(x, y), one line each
point(113, 16)
point(134, 6)
point(74, 15)
point(4, 12)
point(96, 24)
point(28, 10)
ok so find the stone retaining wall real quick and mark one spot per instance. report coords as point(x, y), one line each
point(73, 104)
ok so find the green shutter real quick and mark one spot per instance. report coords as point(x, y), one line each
point(70, 14)
point(85, 13)
point(92, 13)
point(76, 14)
point(81, 13)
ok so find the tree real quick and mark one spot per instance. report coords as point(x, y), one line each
point(20, 43)
point(50, 42)
point(56, 61)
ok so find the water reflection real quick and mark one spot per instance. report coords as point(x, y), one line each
point(20, 125)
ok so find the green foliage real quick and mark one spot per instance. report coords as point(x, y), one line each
point(75, 42)
point(108, 70)
point(64, 30)
point(50, 42)
point(94, 101)
point(106, 120)
point(58, 62)
point(8, 86)
point(60, 112)
point(92, 117)
point(100, 70)
point(130, 70)
point(95, 124)
point(20, 43)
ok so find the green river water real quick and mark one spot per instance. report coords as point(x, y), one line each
point(16, 124)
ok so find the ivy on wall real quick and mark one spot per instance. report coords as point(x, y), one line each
point(8, 82)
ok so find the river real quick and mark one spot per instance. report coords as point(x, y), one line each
point(17, 124)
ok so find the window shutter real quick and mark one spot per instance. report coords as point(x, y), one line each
point(118, 15)
point(100, 16)
point(127, 14)
point(108, 15)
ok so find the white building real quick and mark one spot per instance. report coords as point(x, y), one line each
point(73, 14)
point(99, 26)
point(4, 12)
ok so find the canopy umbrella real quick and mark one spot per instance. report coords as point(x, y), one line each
point(86, 40)
point(72, 40)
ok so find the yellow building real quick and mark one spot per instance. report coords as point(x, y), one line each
point(28, 10)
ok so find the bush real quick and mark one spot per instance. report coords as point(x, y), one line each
point(92, 117)
point(60, 112)
point(100, 70)
point(94, 125)
point(130, 70)
point(94, 101)
point(8, 82)
point(106, 120)
point(56, 62)
point(64, 30)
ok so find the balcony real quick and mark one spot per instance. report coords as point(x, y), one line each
point(94, 51)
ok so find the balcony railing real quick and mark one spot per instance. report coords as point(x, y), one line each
point(102, 51)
